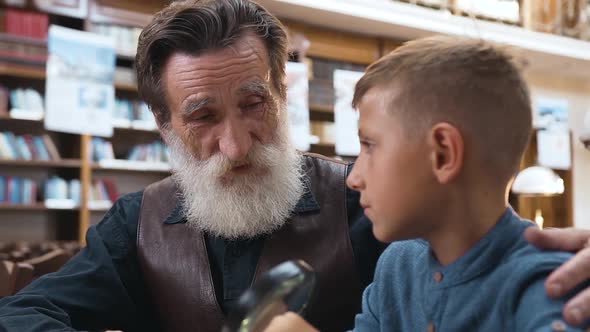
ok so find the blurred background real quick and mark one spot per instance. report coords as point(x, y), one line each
point(74, 135)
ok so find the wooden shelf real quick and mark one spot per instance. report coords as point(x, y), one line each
point(8, 37)
point(156, 132)
point(7, 117)
point(31, 207)
point(23, 207)
point(32, 72)
point(545, 53)
point(130, 166)
point(322, 108)
point(41, 207)
point(136, 130)
point(38, 73)
point(322, 115)
point(126, 87)
point(131, 170)
point(64, 163)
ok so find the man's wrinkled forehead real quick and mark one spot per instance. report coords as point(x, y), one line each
point(237, 68)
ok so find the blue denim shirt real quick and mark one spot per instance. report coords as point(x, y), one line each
point(498, 285)
point(102, 287)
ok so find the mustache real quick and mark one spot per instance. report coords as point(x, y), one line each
point(219, 164)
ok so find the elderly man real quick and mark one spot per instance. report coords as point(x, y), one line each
point(177, 255)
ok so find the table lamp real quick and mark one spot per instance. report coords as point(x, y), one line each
point(538, 181)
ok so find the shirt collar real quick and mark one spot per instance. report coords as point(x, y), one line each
point(483, 256)
point(306, 204)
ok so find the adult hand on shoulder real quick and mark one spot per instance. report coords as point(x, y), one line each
point(572, 273)
point(288, 322)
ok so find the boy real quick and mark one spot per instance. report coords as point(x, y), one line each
point(443, 124)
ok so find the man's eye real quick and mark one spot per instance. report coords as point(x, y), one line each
point(253, 106)
point(204, 117)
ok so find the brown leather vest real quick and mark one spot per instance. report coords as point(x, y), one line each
point(176, 269)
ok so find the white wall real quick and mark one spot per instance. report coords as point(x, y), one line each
point(578, 95)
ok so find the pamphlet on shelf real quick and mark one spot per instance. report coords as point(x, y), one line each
point(20, 114)
point(121, 123)
point(297, 104)
point(61, 203)
point(134, 165)
point(80, 92)
point(345, 117)
point(99, 204)
point(144, 125)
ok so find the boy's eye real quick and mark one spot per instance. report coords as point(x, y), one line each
point(367, 146)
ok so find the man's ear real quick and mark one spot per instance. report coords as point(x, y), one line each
point(447, 150)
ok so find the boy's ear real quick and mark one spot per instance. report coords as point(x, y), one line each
point(447, 149)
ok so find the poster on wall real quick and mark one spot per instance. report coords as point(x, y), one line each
point(553, 136)
point(297, 104)
point(79, 89)
point(345, 117)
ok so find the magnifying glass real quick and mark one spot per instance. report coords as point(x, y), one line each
point(286, 287)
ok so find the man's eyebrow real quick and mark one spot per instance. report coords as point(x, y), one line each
point(255, 87)
point(195, 105)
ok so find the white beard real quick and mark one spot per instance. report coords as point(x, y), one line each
point(249, 204)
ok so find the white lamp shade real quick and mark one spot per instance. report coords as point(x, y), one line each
point(537, 180)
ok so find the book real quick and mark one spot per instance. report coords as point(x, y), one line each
point(29, 143)
point(4, 96)
point(6, 150)
point(42, 152)
point(111, 188)
point(12, 145)
point(51, 148)
point(75, 191)
point(23, 149)
point(3, 189)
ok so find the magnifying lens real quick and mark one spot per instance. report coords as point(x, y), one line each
point(286, 287)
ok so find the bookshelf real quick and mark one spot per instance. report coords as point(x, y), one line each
point(23, 207)
point(64, 163)
point(379, 27)
point(71, 222)
point(33, 73)
point(42, 207)
point(22, 71)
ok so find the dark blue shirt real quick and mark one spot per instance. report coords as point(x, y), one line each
point(102, 287)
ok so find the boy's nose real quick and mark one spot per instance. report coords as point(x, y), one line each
point(354, 180)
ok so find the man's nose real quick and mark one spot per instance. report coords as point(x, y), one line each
point(236, 140)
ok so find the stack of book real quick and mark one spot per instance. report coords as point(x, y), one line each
point(17, 190)
point(27, 147)
point(26, 24)
point(125, 37)
point(26, 104)
point(133, 114)
point(102, 194)
point(62, 194)
point(101, 149)
point(24, 40)
point(153, 152)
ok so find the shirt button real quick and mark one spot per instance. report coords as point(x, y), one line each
point(430, 327)
point(438, 277)
point(558, 326)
